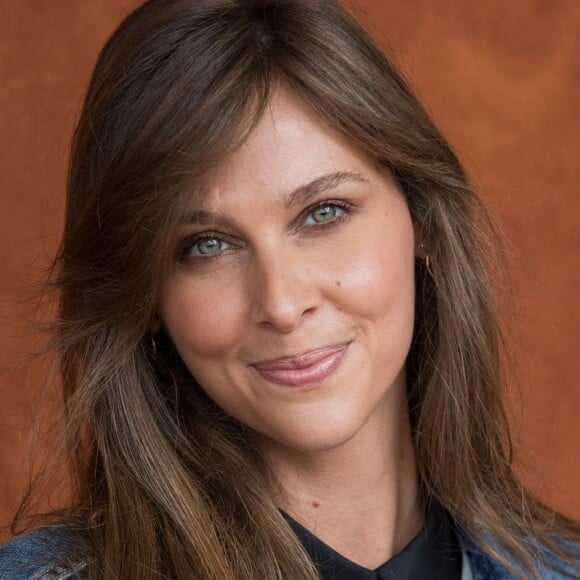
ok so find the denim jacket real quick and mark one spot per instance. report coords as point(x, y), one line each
point(49, 553)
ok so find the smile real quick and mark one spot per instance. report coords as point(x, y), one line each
point(304, 369)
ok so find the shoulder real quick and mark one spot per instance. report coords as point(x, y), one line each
point(483, 567)
point(48, 552)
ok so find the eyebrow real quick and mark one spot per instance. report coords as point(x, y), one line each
point(330, 181)
point(299, 196)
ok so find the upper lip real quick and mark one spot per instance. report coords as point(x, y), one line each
point(299, 361)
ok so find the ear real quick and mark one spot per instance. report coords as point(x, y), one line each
point(155, 325)
point(421, 250)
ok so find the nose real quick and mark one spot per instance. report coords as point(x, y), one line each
point(284, 291)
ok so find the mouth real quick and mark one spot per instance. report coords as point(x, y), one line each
point(303, 369)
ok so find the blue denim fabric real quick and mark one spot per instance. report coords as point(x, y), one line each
point(50, 554)
point(47, 553)
point(485, 568)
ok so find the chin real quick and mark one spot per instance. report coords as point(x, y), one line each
point(319, 436)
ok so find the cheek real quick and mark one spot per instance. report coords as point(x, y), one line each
point(376, 274)
point(201, 317)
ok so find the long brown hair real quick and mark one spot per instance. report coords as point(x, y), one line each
point(167, 484)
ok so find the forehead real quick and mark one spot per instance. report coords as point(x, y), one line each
point(289, 147)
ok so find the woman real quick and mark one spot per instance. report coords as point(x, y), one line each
point(277, 334)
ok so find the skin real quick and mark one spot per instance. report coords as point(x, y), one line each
point(278, 283)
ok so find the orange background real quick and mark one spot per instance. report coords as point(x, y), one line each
point(500, 79)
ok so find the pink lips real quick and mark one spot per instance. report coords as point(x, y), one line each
point(304, 369)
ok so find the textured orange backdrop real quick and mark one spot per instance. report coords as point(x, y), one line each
point(501, 80)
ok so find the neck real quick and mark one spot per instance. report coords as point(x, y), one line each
point(362, 497)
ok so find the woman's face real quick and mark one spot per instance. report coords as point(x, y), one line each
point(292, 304)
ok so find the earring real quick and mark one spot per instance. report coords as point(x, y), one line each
point(427, 263)
point(427, 266)
point(154, 346)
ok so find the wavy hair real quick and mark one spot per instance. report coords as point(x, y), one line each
point(167, 484)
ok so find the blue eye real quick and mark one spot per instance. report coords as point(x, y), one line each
point(323, 214)
point(206, 247)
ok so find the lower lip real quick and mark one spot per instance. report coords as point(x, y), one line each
point(310, 375)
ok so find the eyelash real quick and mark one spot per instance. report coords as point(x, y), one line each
point(188, 243)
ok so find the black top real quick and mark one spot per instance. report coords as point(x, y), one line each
point(433, 554)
